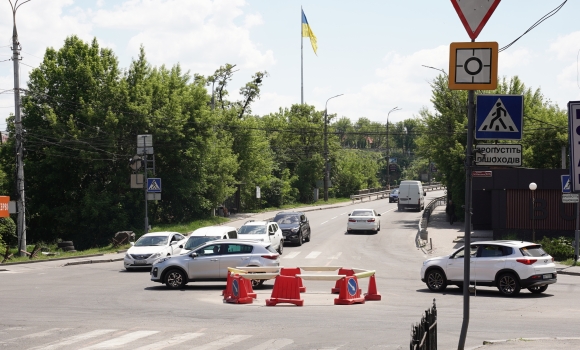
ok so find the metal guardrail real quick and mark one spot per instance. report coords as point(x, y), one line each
point(424, 334)
point(383, 194)
point(422, 234)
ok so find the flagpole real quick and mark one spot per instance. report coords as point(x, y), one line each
point(301, 57)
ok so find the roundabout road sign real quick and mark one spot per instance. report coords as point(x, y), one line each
point(473, 66)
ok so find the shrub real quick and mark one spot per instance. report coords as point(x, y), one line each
point(560, 248)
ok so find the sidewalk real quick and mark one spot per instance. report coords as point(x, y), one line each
point(446, 238)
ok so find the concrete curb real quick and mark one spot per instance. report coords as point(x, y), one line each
point(83, 262)
point(499, 341)
point(48, 260)
point(564, 272)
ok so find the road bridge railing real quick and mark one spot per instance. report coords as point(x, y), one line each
point(422, 233)
point(385, 194)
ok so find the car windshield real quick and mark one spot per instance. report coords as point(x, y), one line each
point(362, 213)
point(194, 242)
point(533, 250)
point(252, 230)
point(287, 219)
point(147, 241)
point(394, 191)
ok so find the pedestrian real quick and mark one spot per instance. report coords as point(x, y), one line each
point(450, 210)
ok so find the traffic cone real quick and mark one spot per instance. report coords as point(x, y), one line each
point(239, 295)
point(341, 271)
point(349, 292)
point(372, 294)
point(293, 271)
point(286, 290)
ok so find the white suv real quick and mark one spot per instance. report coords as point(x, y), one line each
point(507, 265)
point(263, 231)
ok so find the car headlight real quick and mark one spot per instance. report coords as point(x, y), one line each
point(162, 260)
point(155, 256)
point(128, 256)
point(295, 229)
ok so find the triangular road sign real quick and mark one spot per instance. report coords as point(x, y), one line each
point(498, 120)
point(474, 14)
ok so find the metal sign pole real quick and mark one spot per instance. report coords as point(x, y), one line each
point(577, 235)
point(145, 184)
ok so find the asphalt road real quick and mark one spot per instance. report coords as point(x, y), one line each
point(100, 306)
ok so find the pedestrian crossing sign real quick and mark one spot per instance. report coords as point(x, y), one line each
point(565, 183)
point(499, 117)
point(154, 185)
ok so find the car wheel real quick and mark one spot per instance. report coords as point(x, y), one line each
point(175, 279)
point(508, 285)
point(300, 239)
point(308, 237)
point(281, 247)
point(538, 289)
point(379, 228)
point(257, 283)
point(348, 231)
point(435, 280)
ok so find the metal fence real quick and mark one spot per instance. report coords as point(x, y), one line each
point(422, 234)
point(385, 194)
point(424, 333)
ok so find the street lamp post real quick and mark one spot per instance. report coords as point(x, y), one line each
point(326, 171)
point(533, 187)
point(388, 150)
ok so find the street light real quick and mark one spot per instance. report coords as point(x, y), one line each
point(388, 153)
point(326, 172)
point(533, 187)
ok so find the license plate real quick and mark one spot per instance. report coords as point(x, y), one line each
point(547, 276)
point(140, 262)
point(361, 221)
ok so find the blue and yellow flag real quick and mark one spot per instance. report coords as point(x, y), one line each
point(307, 32)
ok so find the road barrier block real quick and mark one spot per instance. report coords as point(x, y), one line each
point(349, 292)
point(372, 293)
point(286, 290)
point(237, 293)
point(287, 271)
point(341, 271)
point(249, 289)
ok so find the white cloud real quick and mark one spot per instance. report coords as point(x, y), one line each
point(514, 59)
point(566, 47)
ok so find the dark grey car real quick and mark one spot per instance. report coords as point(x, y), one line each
point(294, 225)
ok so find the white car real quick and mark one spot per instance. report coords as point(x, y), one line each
point(151, 247)
point(507, 265)
point(209, 233)
point(363, 220)
point(263, 231)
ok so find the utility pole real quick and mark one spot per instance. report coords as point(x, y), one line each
point(326, 170)
point(20, 205)
point(388, 151)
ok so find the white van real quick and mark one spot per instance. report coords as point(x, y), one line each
point(209, 233)
point(411, 195)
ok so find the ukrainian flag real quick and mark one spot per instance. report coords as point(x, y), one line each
point(307, 32)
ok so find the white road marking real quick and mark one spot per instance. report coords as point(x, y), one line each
point(291, 255)
point(344, 213)
point(387, 211)
point(312, 255)
point(122, 340)
point(273, 344)
point(75, 339)
point(334, 218)
point(336, 256)
point(324, 222)
point(223, 342)
point(176, 339)
point(37, 335)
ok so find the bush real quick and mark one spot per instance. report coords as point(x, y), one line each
point(559, 248)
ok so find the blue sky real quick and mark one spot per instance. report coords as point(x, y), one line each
point(372, 51)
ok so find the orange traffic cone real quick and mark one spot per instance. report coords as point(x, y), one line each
point(372, 294)
point(286, 290)
point(349, 292)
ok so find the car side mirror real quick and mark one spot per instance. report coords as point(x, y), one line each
point(424, 193)
point(378, 214)
point(193, 255)
point(132, 243)
point(348, 214)
point(181, 246)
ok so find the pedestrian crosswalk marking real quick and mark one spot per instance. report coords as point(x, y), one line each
point(37, 335)
point(312, 255)
point(75, 339)
point(273, 344)
point(498, 120)
point(291, 255)
point(336, 256)
point(176, 339)
point(223, 342)
point(122, 340)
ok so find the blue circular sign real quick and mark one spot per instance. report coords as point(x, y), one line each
point(352, 287)
point(235, 288)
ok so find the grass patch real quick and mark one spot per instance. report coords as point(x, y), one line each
point(185, 228)
point(568, 262)
point(59, 253)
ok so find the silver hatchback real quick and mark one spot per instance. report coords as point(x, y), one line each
point(210, 261)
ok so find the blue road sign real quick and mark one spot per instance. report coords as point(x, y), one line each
point(154, 185)
point(499, 117)
point(565, 183)
point(352, 286)
point(235, 288)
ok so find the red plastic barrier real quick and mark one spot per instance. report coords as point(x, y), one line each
point(286, 290)
point(372, 294)
point(341, 271)
point(237, 294)
point(249, 288)
point(349, 292)
point(293, 271)
point(228, 286)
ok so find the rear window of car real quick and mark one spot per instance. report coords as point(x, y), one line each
point(287, 219)
point(533, 250)
point(362, 213)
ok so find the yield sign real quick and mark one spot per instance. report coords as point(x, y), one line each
point(474, 14)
